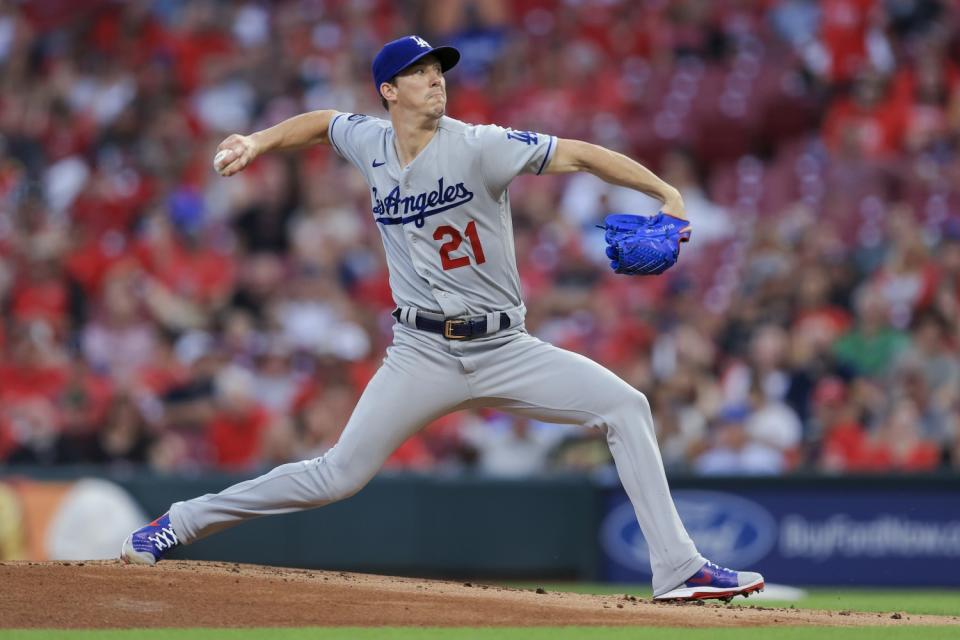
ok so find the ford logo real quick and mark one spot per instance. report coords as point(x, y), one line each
point(728, 529)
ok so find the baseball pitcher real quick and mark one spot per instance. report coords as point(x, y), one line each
point(438, 193)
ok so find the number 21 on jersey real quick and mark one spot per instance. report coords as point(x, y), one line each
point(453, 243)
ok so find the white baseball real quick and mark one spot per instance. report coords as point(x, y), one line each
point(220, 160)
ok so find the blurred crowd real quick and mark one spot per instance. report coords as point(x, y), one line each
point(155, 313)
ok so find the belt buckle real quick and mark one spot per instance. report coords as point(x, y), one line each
point(448, 329)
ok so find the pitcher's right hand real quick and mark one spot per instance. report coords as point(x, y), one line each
point(234, 154)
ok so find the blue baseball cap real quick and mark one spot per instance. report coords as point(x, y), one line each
point(396, 56)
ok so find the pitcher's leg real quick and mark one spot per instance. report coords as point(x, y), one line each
point(393, 407)
point(633, 443)
point(548, 383)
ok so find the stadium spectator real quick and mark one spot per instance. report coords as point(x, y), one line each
point(511, 446)
point(120, 341)
point(930, 373)
point(125, 437)
point(238, 426)
point(899, 444)
point(733, 451)
point(872, 344)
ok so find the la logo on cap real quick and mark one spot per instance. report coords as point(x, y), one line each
point(420, 41)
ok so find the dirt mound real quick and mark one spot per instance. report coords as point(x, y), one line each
point(108, 594)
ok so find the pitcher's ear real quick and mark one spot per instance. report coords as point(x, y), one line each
point(388, 91)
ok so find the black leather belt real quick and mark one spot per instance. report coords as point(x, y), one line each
point(457, 328)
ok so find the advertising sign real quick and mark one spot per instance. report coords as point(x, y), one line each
point(803, 536)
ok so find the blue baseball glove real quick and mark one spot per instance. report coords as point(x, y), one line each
point(644, 246)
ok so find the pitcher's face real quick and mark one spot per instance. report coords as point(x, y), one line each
point(421, 87)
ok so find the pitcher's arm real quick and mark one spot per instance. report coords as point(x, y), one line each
point(237, 151)
point(615, 168)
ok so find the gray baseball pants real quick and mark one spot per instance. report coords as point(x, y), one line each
point(425, 376)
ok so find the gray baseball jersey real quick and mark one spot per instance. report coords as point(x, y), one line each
point(445, 224)
point(445, 218)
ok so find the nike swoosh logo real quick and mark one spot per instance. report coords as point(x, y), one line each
point(378, 164)
point(702, 577)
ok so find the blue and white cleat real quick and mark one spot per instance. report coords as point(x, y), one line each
point(713, 582)
point(148, 544)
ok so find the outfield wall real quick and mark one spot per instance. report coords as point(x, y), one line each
point(816, 531)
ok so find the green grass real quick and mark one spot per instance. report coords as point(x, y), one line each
point(926, 601)
point(539, 633)
point(940, 602)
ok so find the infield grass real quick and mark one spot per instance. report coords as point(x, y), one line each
point(531, 633)
point(940, 602)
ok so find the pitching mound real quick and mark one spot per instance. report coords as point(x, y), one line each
point(108, 594)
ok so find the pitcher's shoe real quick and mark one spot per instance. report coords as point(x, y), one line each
point(148, 544)
point(714, 582)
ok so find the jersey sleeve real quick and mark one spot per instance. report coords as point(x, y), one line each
point(506, 153)
point(355, 136)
